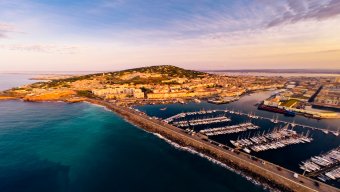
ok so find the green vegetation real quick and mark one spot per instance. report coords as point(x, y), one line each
point(146, 90)
point(85, 93)
point(167, 72)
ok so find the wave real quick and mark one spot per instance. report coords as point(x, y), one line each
point(192, 151)
point(98, 105)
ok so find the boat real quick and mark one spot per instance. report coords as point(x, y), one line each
point(223, 100)
point(246, 150)
point(289, 113)
point(336, 133)
point(163, 109)
point(270, 108)
point(197, 101)
point(275, 120)
point(276, 110)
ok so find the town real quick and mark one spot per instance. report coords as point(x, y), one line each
point(314, 97)
point(123, 91)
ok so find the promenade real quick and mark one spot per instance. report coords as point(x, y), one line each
point(271, 174)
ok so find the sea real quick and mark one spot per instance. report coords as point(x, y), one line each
point(59, 147)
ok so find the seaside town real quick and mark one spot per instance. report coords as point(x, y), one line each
point(122, 91)
point(184, 96)
point(309, 96)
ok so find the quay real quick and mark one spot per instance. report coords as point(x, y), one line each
point(229, 129)
point(263, 171)
point(280, 121)
point(204, 121)
point(253, 116)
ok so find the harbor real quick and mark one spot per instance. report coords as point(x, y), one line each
point(324, 167)
point(251, 115)
point(301, 145)
point(278, 138)
point(264, 171)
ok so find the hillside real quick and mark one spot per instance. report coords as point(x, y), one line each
point(143, 75)
point(171, 71)
point(70, 87)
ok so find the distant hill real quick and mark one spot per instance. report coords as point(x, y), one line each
point(169, 70)
point(143, 75)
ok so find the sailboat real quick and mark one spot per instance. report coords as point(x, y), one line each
point(293, 124)
point(336, 133)
point(275, 119)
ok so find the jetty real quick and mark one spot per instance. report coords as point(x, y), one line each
point(251, 116)
point(229, 129)
point(182, 115)
point(264, 171)
point(276, 120)
point(202, 121)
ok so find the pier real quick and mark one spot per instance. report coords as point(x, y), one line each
point(281, 121)
point(229, 129)
point(251, 116)
point(273, 175)
point(203, 121)
point(323, 166)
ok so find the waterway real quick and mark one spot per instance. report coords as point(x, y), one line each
point(59, 147)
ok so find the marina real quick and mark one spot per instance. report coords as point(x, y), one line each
point(229, 129)
point(251, 115)
point(204, 121)
point(182, 115)
point(324, 167)
point(305, 144)
point(278, 138)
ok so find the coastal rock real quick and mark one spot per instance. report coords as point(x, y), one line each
point(50, 95)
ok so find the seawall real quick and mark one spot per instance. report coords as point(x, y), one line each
point(273, 175)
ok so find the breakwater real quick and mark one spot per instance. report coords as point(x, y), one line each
point(275, 176)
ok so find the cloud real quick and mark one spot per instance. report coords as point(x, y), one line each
point(5, 28)
point(49, 48)
point(295, 11)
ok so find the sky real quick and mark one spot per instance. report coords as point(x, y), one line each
point(108, 35)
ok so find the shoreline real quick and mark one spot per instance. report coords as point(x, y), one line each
point(265, 178)
point(247, 166)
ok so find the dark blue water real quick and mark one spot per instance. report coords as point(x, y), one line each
point(289, 157)
point(246, 105)
point(80, 147)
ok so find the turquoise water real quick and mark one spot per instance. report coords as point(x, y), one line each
point(81, 147)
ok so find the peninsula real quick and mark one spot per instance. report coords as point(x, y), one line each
point(120, 90)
